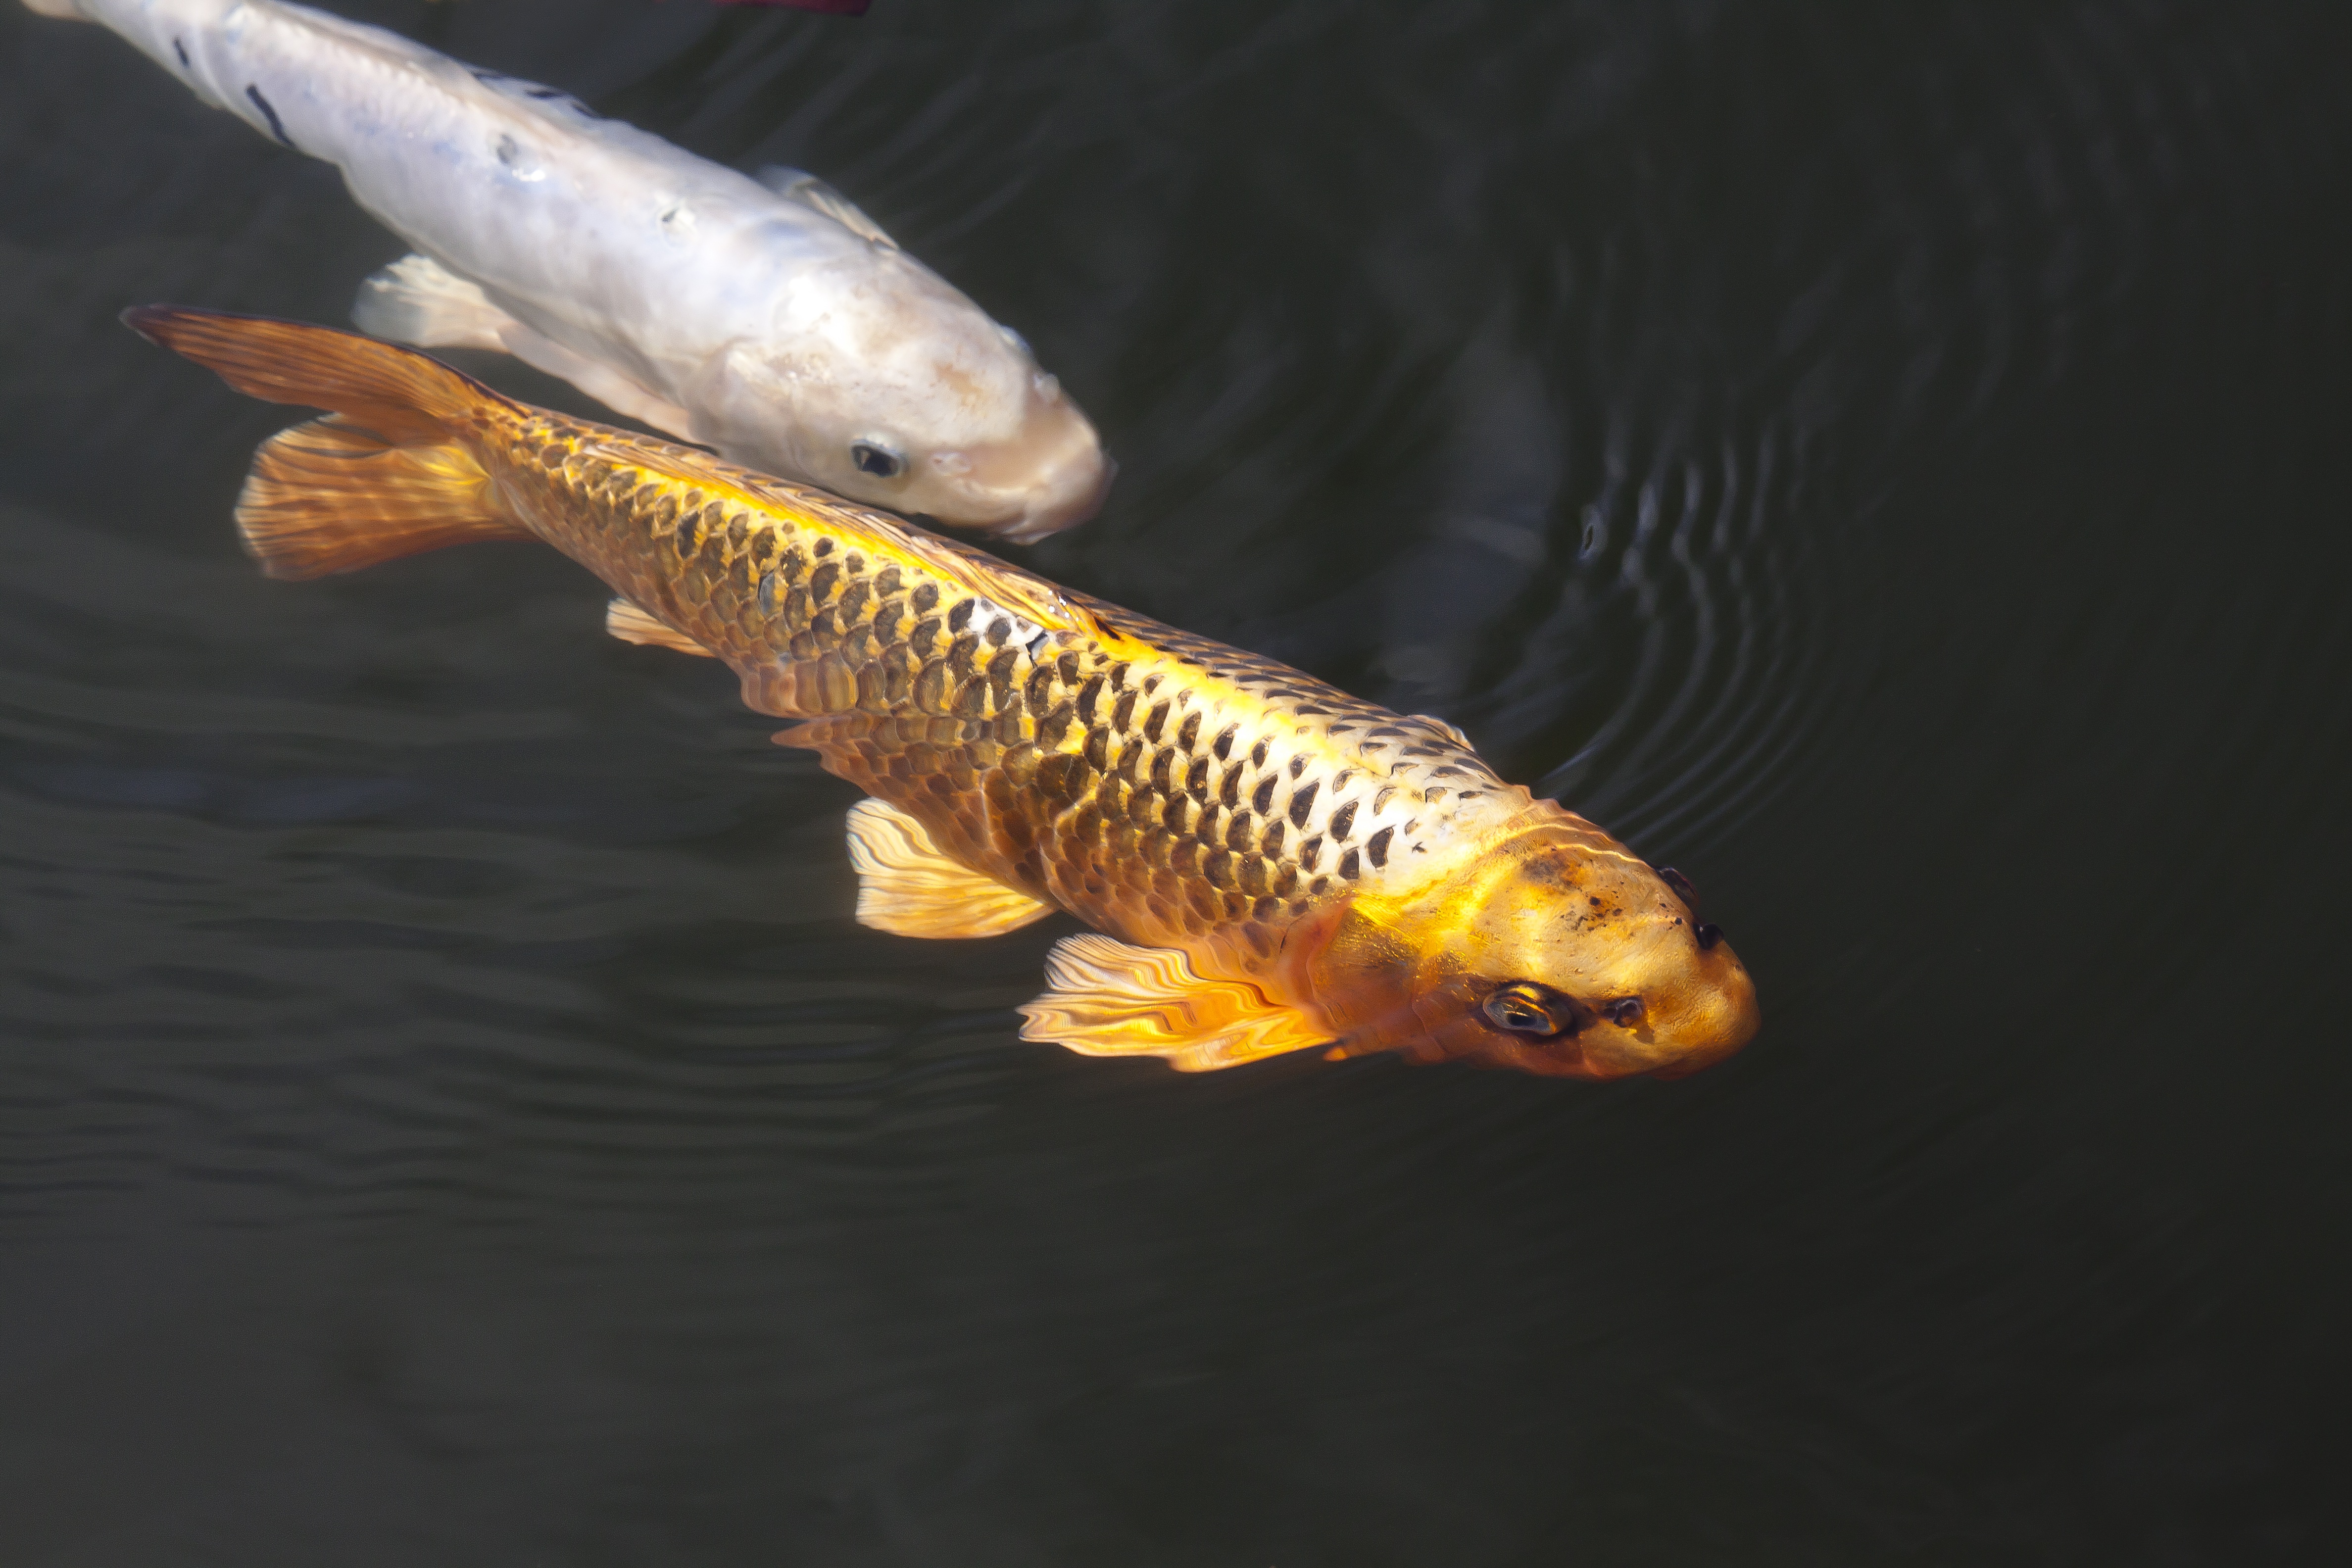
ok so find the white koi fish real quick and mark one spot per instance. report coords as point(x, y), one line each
point(771, 320)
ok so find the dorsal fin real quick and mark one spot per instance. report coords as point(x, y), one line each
point(1108, 998)
point(1450, 732)
point(800, 185)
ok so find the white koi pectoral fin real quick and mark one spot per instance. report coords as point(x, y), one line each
point(1108, 998)
point(625, 621)
point(419, 301)
point(907, 886)
point(800, 185)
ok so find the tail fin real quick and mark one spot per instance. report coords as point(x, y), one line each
point(386, 476)
point(401, 394)
point(63, 10)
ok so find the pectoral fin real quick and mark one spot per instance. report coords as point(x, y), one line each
point(907, 886)
point(1107, 999)
point(417, 300)
point(624, 620)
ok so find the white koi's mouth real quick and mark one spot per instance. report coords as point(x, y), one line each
point(1051, 475)
point(1063, 506)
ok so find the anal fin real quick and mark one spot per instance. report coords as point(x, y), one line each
point(1108, 998)
point(625, 621)
point(907, 886)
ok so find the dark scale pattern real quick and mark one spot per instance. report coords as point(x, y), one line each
point(1157, 784)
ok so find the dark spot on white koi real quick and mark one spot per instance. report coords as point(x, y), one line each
point(276, 126)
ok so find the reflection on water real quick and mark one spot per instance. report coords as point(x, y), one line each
point(1888, 464)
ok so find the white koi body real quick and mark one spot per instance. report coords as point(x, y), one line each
point(778, 325)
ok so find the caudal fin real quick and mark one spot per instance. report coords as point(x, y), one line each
point(387, 475)
point(63, 10)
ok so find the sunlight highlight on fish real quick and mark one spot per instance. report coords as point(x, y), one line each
point(766, 317)
point(1272, 865)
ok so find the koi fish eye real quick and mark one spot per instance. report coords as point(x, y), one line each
point(1526, 1008)
point(1625, 1012)
point(1681, 885)
point(874, 458)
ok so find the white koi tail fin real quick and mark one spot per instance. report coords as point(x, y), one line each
point(387, 475)
point(63, 10)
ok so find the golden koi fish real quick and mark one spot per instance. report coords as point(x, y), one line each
point(1272, 864)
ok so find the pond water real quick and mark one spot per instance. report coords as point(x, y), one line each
point(1888, 462)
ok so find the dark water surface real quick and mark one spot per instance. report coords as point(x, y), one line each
point(1891, 462)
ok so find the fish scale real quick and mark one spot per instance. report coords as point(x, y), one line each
point(1152, 782)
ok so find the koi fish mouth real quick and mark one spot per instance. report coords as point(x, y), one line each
point(1064, 507)
point(1052, 476)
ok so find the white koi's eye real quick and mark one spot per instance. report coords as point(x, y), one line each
point(1015, 339)
point(1525, 1007)
point(884, 462)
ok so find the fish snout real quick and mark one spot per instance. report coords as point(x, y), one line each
point(1695, 1015)
point(1078, 495)
point(1051, 474)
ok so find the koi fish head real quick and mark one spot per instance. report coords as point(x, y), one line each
point(1555, 951)
point(890, 387)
